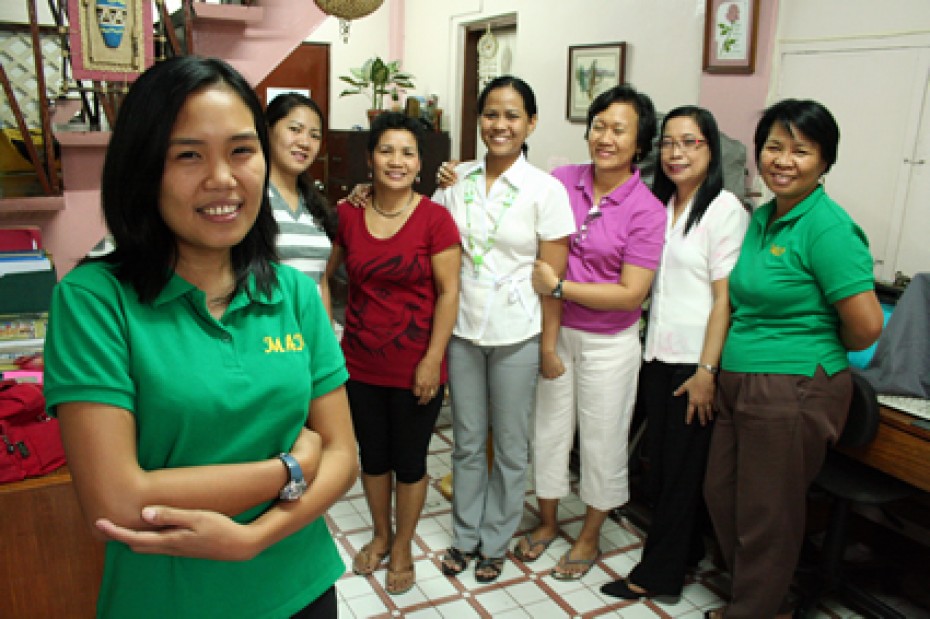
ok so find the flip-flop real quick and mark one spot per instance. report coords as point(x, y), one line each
point(366, 561)
point(528, 556)
point(399, 582)
point(565, 562)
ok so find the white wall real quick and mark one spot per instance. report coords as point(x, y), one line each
point(663, 54)
point(368, 37)
point(830, 19)
point(664, 39)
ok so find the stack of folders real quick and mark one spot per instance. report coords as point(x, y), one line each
point(27, 277)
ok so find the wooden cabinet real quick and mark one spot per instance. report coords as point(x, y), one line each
point(346, 162)
point(51, 566)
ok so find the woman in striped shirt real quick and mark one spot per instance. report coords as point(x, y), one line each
point(306, 223)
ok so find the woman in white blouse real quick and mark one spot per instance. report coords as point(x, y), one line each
point(509, 213)
point(688, 320)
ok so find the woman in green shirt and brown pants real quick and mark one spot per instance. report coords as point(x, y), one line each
point(802, 295)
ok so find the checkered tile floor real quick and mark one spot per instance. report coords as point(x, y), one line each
point(523, 590)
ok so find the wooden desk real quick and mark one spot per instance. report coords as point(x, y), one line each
point(900, 449)
point(50, 564)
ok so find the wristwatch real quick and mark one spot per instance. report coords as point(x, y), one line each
point(296, 484)
point(557, 291)
point(713, 369)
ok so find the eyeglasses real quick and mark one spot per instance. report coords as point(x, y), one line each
point(685, 144)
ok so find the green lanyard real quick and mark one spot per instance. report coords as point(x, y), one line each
point(471, 190)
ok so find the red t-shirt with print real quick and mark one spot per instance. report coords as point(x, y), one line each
point(391, 293)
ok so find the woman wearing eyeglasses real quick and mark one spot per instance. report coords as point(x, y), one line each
point(611, 262)
point(688, 319)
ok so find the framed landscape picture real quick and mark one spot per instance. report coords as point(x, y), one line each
point(730, 31)
point(592, 69)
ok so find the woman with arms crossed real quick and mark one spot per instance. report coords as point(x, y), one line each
point(403, 256)
point(183, 363)
point(611, 263)
point(688, 319)
point(802, 294)
point(509, 213)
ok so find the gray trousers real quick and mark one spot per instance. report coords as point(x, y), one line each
point(491, 386)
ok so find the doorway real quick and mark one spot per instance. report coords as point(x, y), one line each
point(504, 34)
point(306, 69)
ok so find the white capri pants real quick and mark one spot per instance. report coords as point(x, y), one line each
point(598, 391)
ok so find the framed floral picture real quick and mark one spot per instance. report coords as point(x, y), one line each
point(592, 69)
point(730, 30)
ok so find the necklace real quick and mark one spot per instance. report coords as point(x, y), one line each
point(393, 214)
point(474, 244)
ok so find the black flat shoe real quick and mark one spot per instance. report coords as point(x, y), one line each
point(621, 589)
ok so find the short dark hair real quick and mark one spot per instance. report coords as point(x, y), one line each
point(645, 112)
point(809, 117)
point(662, 185)
point(146, 250)
point(278, 108)
point(523, 89)
point(387, 121)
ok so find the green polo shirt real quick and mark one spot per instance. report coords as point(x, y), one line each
point(203, 391)
point(785, 282)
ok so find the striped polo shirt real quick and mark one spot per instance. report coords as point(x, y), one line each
point(301, 243)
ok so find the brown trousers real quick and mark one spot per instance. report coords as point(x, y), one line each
point(769, 442)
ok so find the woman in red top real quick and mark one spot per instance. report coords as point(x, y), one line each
point(402, 254)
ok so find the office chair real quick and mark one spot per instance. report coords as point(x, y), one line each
point(847, 482)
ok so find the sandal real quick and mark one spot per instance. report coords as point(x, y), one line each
point(529, 549)
point(367, 561)
point(563, 570)
point(454, 561)
point(488, 569)
point(399, 582)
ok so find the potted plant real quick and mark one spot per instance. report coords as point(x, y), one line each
point(376, 78)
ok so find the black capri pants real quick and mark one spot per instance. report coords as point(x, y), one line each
point(393, 429)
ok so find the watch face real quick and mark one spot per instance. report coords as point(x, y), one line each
point(293, 490)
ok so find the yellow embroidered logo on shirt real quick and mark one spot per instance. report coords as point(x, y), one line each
point(776, 250)
point(291, 343)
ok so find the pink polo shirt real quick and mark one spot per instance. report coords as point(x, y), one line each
point(628, 227)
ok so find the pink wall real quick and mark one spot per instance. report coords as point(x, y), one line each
point(737, 101)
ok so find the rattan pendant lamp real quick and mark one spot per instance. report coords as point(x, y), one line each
point(347, 10)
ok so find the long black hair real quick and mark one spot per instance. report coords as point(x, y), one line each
point(316, 203)
point(146, 251)
point(662, 185)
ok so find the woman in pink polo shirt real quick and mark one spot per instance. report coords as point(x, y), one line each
point(611, 262)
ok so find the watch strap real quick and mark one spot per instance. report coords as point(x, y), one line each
point(713, 369)
point(296, 484)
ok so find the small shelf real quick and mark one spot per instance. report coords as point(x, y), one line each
point(36, 204)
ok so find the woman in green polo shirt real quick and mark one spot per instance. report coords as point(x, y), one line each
point(802, 295)
point(198, 382)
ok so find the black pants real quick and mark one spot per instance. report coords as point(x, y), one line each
point(677, 455)
point(324, 607)
point(393, 429)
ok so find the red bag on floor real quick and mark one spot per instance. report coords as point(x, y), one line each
point(30, 443)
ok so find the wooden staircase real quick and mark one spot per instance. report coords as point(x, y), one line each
point(254, 39)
